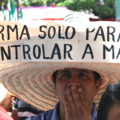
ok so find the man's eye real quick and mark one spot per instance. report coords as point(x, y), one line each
point(84, 76)
point(65, 75)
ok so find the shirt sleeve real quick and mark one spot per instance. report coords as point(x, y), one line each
point(42, 116)
point(38, 117)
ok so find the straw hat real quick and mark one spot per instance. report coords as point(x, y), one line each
point(28, 74)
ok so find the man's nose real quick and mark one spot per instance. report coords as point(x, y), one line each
point(74, 82)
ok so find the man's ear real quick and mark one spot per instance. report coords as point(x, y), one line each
point(55, 89)
point(98, 84)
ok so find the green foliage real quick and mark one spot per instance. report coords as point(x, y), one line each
point(5, 3)
point(26, 2)
point(33, 2)
point(105, 11)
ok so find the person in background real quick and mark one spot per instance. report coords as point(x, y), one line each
point(3, 10)
point(109, 106)
point(11, 6)
point(19, 10)
point(22, 110)
point(5, 102)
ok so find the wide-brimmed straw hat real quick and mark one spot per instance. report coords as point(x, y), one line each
point(28, 62)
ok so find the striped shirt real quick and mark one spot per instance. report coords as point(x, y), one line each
point(25, 110)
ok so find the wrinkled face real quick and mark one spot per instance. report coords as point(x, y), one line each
point(81, 79)
point(114, 113)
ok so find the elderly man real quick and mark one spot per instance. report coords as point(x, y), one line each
point(75, 89)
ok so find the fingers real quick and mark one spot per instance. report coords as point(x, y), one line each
point(76, 96)
point(66, 104)
point(70, 99)
point(68, 112)
point(74, 101)
point(69, 104)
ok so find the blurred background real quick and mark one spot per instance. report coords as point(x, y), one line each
point(92, 10)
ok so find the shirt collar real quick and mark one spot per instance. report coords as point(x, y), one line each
point(55, 113)
point(94, 112)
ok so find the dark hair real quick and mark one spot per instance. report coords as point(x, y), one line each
point(96, 76)
point(54, 75)
point(109, 98)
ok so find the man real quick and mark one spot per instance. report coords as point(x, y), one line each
point(75, 89)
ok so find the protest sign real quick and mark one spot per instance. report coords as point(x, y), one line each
point(59, 42)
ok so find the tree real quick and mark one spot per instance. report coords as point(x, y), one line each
point(105, 11)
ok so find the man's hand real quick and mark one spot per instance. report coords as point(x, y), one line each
point(77, 106)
